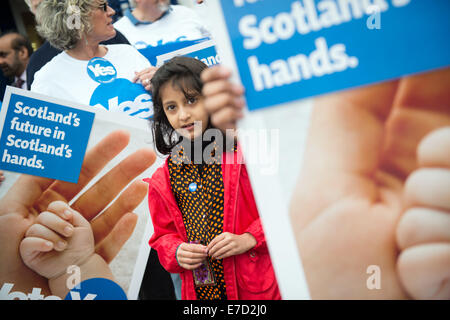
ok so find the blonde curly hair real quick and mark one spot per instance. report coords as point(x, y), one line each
point(64, 22)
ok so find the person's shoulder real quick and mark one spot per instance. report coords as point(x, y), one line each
point(44, 52)
point(119, 38)
point(160, 177)
point(160, 172)
point(129, 53)
point(178, 8)
point(123, 22)
point(125, 51)
point(126, 28)
point(50, 67)
point(44, 77)
point(122, 48)
point(40, 58)
point(180, 12)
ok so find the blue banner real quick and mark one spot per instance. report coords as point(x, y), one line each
point(151, 52)
point(208, 56)
point(44, 139)
point(204, 51)
point(287, 50)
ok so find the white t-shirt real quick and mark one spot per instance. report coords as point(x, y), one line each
point(180, 23)
point(101, 82)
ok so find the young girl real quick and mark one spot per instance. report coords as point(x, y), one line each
point(206, 224)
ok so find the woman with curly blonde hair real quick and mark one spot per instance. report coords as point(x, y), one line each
point(87, 72)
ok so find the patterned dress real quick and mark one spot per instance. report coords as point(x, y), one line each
point(199, 192)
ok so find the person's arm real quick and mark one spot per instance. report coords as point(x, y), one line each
point(38, 59)
point(256, 230)
point(229, 244)
point(190, 255)
point(165, 239)
point(144, 71)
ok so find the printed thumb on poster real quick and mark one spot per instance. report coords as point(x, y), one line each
point(51, 138)
point(288, 50)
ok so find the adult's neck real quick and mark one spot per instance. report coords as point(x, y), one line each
point(86, 50)
point(147, 14)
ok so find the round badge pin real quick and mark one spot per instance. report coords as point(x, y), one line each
point(192, 187)
point(101, 70)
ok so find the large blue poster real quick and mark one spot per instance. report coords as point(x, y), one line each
point(291, 49)
point(43, 139)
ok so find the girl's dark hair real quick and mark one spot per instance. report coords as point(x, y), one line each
point(184, 73)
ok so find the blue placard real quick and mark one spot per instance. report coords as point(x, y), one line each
point(287, 50)
point(204, 51)
point(44, 139)
point(152, 52)
point(207, 55)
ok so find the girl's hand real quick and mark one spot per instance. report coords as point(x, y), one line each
point(190, 256)
point(228, 244)
point(60, 237)
point(144, 77)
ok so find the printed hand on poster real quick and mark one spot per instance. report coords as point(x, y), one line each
point(374, 191)
point(31, 195)
point(374, 188)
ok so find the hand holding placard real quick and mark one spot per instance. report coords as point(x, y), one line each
point(223, 99)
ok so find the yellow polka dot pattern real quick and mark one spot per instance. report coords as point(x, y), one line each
point(202, 211)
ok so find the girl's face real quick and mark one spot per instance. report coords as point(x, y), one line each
point(186, 114)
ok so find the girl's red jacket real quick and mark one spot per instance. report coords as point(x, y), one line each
point(249, 275)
